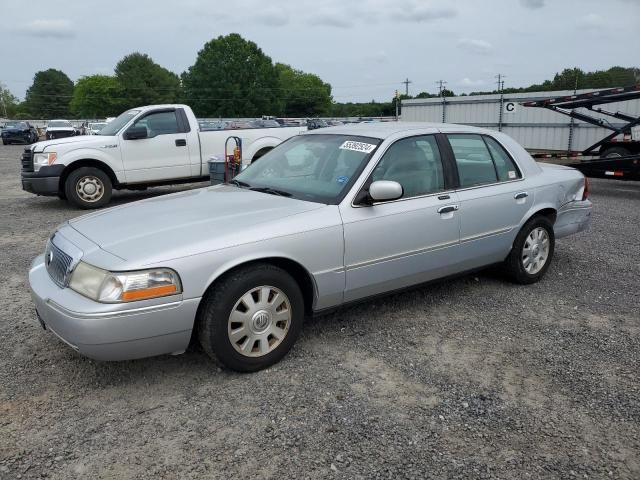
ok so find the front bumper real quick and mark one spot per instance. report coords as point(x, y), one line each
point(111, 331)
point(45, 181)
point(572, 218)
point(17, 138)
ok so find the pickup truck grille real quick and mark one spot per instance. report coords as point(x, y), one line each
point(58, 264)
point(60, 134)
point(27, 160)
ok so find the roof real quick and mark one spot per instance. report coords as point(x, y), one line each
point(384, 130)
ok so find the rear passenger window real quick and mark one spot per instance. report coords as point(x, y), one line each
point(505, 167)
point(475, 164)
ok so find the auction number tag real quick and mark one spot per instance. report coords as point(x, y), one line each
point(358, 146)
point(512, 174)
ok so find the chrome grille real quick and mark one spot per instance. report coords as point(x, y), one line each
point(58, 264)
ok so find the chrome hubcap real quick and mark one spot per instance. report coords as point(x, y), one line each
point(259, 321)
point(90, 189)
point(535, 251)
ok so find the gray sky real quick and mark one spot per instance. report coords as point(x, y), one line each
point(364, 48)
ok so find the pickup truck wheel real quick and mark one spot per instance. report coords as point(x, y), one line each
point(252, 318)
point(532, 251)
point(88, 187)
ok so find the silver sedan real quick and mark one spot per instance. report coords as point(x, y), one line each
point(326, 218)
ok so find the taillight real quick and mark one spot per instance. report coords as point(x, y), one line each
point(585, 192)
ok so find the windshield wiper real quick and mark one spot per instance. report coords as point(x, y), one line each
point(271, 191)
point(239, 183)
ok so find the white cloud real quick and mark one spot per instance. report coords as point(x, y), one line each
point(467, 82)
point(330, 19)
point(419, 12)
point(591, 20)
point(273, 17)
point(474, 45)
point(49, 29)
point(532, 3)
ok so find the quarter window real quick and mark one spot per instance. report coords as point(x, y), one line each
point(505, 166)
point(415, 164)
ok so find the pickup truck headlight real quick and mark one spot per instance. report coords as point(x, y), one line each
point(43, 159)
point(118, 287)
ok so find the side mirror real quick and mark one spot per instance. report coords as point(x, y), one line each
point(135, 133)
point(385, 190)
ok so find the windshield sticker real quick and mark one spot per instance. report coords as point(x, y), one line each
point(357, 146)
point(511, 174)
point(342, 179)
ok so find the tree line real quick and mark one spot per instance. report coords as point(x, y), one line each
point(233, 77)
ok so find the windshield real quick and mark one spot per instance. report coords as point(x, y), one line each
point(97, 126)
point(115, 125)
point(59, 124)
point(20, 125)
point(316, 168)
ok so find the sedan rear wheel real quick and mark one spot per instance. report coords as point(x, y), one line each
point(532, 251)
point(251, 318)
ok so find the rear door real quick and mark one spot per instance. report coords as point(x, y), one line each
point(391, 245)
point(492, 195)
point(163, 155)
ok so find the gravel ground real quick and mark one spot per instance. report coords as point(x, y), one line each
point(470, 378)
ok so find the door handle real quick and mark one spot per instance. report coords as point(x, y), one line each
point(521, 195)
point(181, 142)
point(448, 209)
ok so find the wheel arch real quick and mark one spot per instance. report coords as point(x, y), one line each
point(87, 162)
point(548, 212)
point(298, 272)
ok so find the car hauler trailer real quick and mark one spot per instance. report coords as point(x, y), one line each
point(615, 156)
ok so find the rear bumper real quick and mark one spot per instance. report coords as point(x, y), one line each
point(572, 218)
point(91, 329)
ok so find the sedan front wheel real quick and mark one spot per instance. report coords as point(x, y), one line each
point(251, 318)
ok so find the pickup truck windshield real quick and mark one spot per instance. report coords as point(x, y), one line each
point(59, 124)
point(315, 168)
point(115, 125)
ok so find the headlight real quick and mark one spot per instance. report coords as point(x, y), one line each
point(116, 287)
point(43, 159)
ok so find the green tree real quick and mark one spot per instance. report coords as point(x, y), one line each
point(8, 102)
point(302, 94)
point(144, 82)
point(49, 95)
point(231, 77)
point(97, 96)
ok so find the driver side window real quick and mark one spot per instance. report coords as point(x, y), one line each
point(415, 164)
point(159, 123)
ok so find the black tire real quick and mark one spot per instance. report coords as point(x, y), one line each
point(214, 316)
point(5, 143)
point(614, 152)
point(514, 264)
point(92, 175)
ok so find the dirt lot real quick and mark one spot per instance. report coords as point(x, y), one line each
point(471, 378)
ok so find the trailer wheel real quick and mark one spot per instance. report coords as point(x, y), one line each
point(615, 152)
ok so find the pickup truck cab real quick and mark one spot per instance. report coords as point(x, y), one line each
point(145, 146)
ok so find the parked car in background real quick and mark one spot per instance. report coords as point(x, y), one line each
point(18, 131)
point(93, 128)
point(315, 123)
point(327, 218)
point(152, 145)
point(60, 129)
point(265, 123)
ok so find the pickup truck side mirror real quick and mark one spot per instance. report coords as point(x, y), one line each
point(136, 133)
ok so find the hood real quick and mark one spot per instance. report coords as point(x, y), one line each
point(87, 141)
point(189, 223)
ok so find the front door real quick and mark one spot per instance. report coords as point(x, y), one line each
point(396, 244)
point(162, 155)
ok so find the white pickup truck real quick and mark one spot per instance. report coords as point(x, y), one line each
point(146, 146)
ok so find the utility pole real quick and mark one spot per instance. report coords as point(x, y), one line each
point(441, 84)
point(500, 82)
point(406, 86)
point(397, 103)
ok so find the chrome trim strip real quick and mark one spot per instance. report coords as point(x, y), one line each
point(486, 234)
point(118, 313)
point(396, 256)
